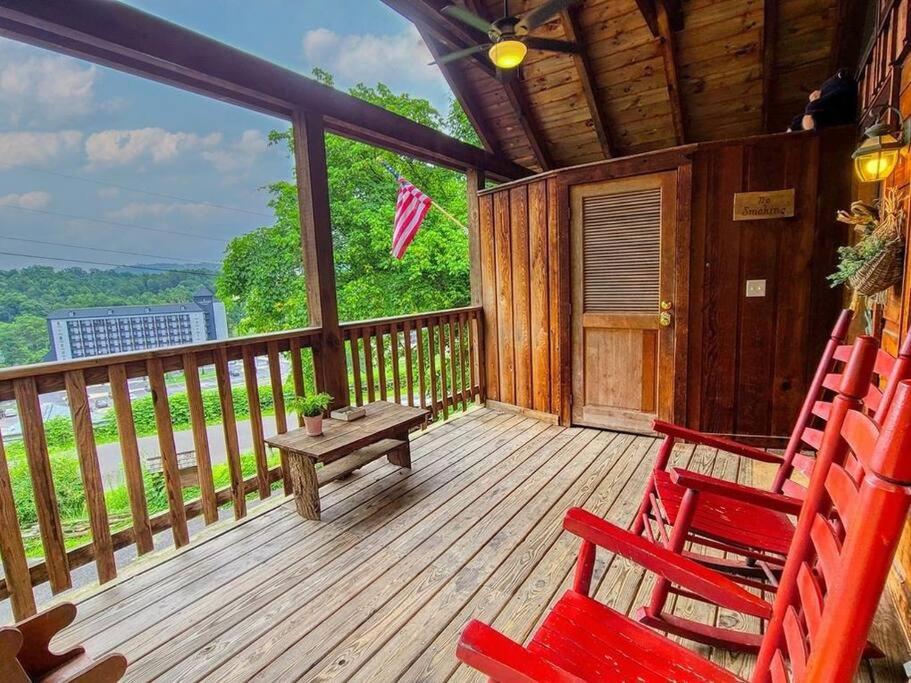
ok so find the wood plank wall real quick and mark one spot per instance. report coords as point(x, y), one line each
point(887, 80)
point(748, 359)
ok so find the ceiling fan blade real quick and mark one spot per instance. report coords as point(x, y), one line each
point(551, 45)
point(539, 15)
point(466, 17)
point(459, 54)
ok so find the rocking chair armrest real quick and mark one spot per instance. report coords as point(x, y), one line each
point(693, 576)
point(745, 494)
point(489, 651)
point(727, 445)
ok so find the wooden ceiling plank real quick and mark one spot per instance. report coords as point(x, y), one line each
point(461, 90)
point(769, 39)
point(573, 31)
point(666, 36)
point(520, 105)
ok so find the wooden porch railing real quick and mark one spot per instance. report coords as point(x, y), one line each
point(428, 360)
point(431, 360)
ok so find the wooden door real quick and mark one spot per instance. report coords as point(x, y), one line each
point(623, 244)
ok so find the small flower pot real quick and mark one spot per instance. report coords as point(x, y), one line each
point(313, 425)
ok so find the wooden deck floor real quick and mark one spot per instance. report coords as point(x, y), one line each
point(379, 590)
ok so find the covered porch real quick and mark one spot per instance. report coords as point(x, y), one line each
point(540, 392)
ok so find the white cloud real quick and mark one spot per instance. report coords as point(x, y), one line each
point(27, 149)
point(119, 147)
point(240, 155)
point(27, 200)
point(36, 86)
point(370, 58)
point(135, 210)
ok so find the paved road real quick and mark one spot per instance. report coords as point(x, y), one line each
point(111, 461)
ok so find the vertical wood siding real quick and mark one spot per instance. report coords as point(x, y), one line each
point(748, 359)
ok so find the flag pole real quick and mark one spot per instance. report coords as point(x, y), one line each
point(432, 203)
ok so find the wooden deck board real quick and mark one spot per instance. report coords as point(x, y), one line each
point(380, 589)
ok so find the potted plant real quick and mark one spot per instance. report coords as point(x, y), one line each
point(311, 408)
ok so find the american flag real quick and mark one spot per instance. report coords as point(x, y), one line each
point(410, 209)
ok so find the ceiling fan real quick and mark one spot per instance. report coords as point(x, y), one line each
point(509, 35)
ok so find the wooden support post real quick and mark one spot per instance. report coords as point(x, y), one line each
point(319, 263)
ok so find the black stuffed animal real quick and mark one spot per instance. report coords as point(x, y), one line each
point(834, 104)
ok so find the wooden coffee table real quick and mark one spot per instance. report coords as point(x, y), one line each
point(344, 447)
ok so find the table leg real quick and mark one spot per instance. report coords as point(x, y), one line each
point(305, 486)
point(401, 456)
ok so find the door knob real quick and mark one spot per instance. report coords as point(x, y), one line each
point(665, 318)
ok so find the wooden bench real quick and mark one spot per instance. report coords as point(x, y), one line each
point(344, 447)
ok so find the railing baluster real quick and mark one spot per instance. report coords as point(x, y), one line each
point(356, 369)
point(256, 422)
point(422, 386)
point(381, 361)
point(394, 346)
point(297, 373)
point(12, 550)
point(454, 363)
point(431, 353)
point(229, 424)
point(466, 389)
point(78, 399)
point(168, 452)
point(129, 451)
point(278, 401)
point(409, 369)
point(368, 366)
point(477, 348)
point(444, 384)
point(39, 465)
point(200, 438)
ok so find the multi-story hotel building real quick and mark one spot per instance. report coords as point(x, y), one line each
point(82, 332)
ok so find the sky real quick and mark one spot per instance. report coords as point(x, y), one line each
point(105, 167)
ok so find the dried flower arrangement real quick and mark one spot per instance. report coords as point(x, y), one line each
point(875, 263)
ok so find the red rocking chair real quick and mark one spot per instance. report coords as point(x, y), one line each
point(739, 520)
point(847, 532)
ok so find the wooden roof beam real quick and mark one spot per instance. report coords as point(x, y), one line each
point(461, 91)
point(649, 13)
point(669, 57)
point(128, 39)
point(519, 103)
point(425, 13)
point(573, 30)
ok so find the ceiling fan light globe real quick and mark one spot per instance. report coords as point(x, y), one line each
point(507, 54)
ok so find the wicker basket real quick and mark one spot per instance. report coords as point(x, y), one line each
point(882, 272)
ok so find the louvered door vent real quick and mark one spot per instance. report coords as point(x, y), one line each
point(622, 251)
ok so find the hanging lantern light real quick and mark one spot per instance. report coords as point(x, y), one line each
point(877, 155)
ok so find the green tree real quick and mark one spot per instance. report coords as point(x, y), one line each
point(262, 281)
point(24, 340)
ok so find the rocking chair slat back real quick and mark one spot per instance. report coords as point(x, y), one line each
point(837, 565)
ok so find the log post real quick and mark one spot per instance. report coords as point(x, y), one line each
point(318, 259)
